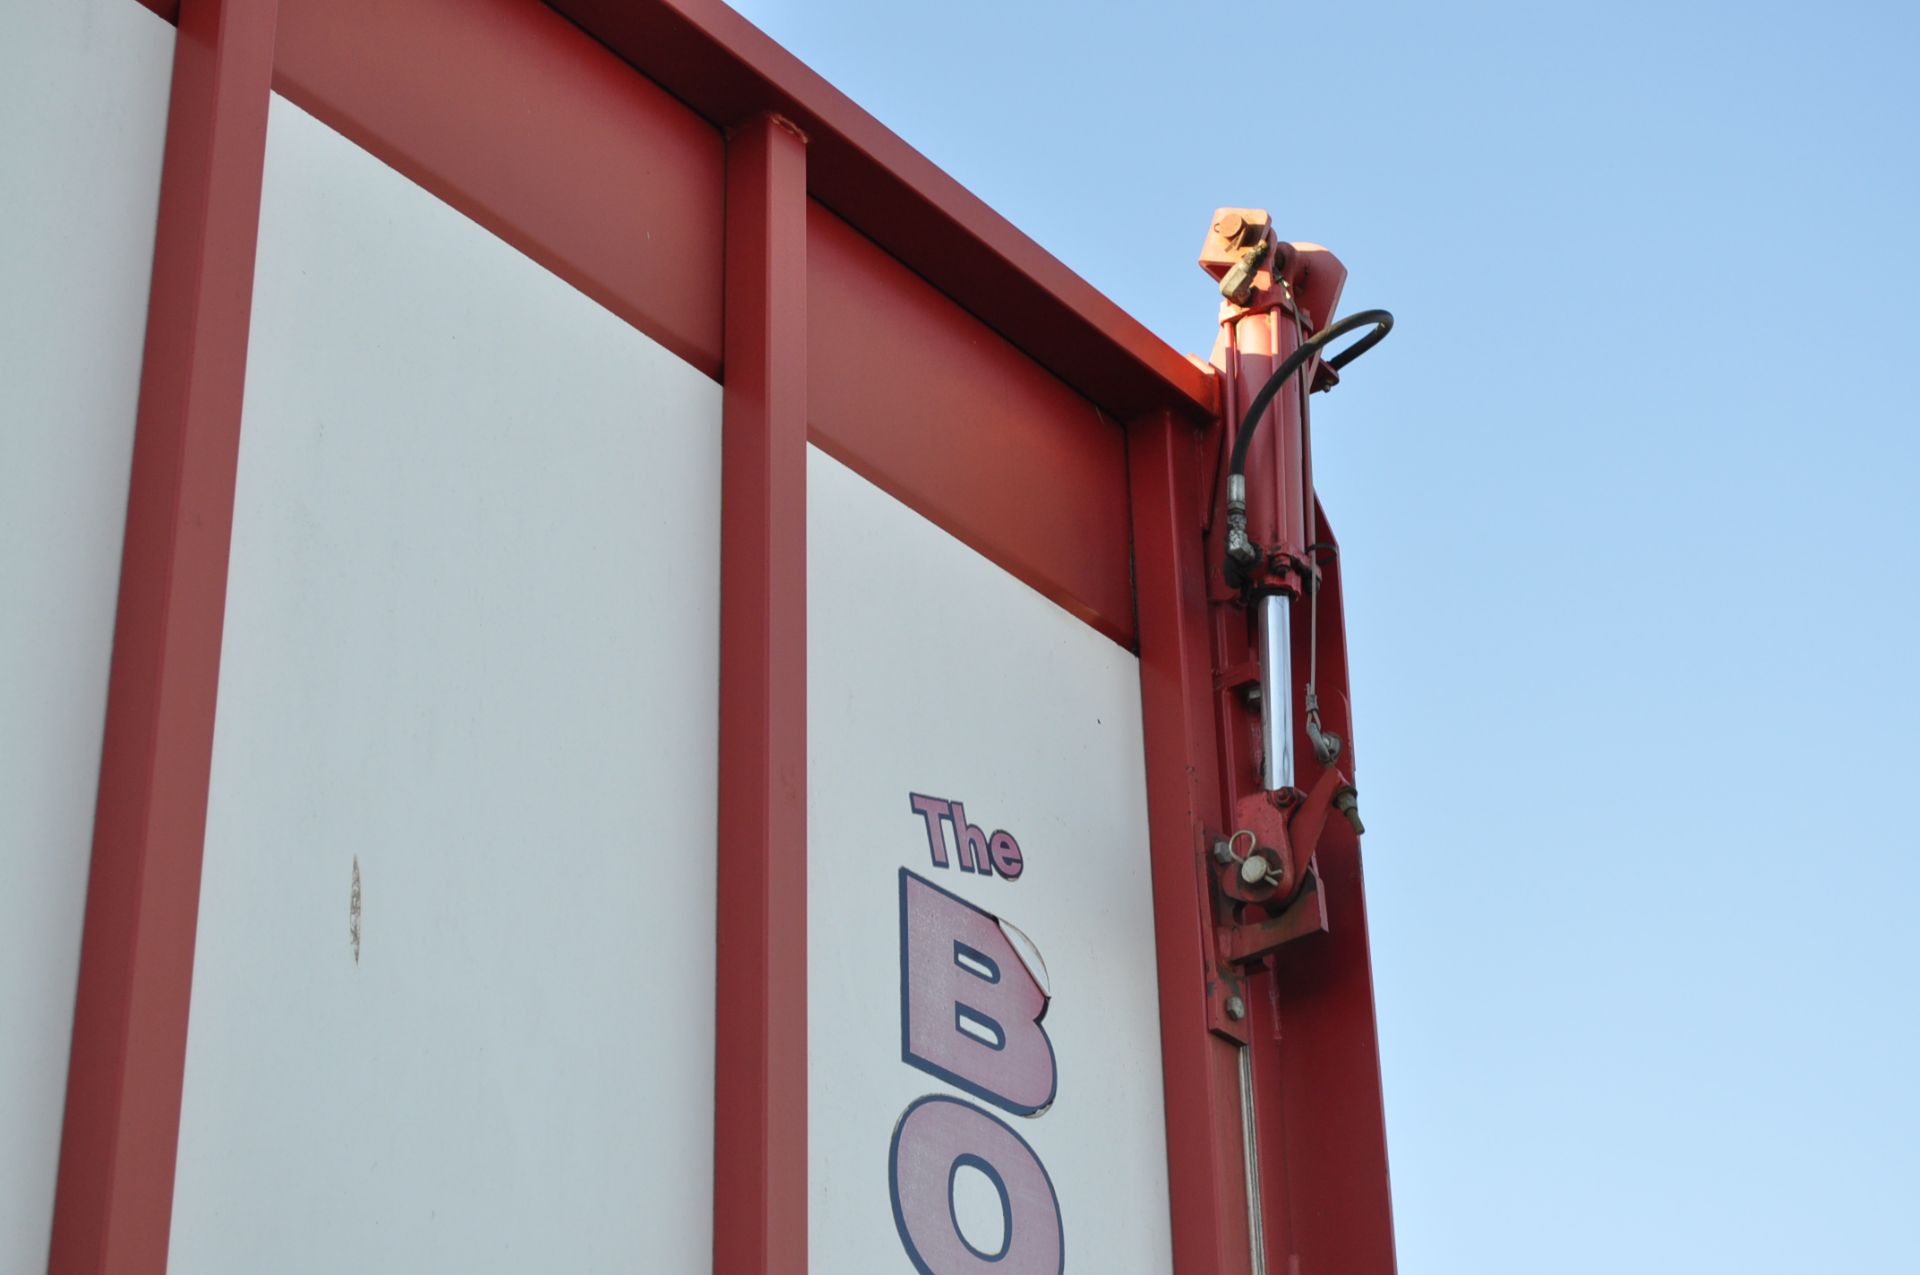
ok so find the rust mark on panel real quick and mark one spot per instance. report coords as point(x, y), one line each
point(353, 911)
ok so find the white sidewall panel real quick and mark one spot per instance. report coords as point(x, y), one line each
point(83, 106)
point(934, 672)
point(452, 1001)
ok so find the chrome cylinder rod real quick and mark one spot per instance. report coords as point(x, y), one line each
point(1276, 691)
point(1250, 1141)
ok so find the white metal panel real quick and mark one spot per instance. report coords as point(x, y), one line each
point(452, 1002)
point(934, 672)
point(83, 105)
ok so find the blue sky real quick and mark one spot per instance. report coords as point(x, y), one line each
point(1628, 507)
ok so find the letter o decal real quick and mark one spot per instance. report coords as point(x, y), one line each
point(936, 1137)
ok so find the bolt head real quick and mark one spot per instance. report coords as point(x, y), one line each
point(1236, 1008)
point(1230, 226)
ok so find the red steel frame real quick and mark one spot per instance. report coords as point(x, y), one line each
point(506, 111)
point(760, 1112)
point(114, 1200)
point(1206, 1150)
point(726, 69)
point(713, 201)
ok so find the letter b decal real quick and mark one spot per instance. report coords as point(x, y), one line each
point(970, 1011)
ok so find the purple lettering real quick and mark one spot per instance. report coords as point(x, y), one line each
point(933, 810)
point(969, 843)
point(1007, 859)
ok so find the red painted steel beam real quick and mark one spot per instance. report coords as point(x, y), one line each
point(728, 69)
point(1206, 1150)
point(521, 121)
point(114, 1201)
point(512, 115)
point(927, 403)
point(760, 1108)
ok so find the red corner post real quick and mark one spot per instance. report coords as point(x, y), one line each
point(114, 1201)
point(1206, 1147)
point(760, 1071)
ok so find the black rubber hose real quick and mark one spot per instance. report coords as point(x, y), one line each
point(1382, 324)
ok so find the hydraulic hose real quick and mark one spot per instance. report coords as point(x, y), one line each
point(1382, 324)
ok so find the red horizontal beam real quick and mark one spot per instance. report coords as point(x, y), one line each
point(929, 404)
point(524, 123)
point(728, 69)
point(509, 113)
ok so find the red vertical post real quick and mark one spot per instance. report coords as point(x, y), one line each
point(114, 1201)
point(760, 1099)
point(1206, 1150)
